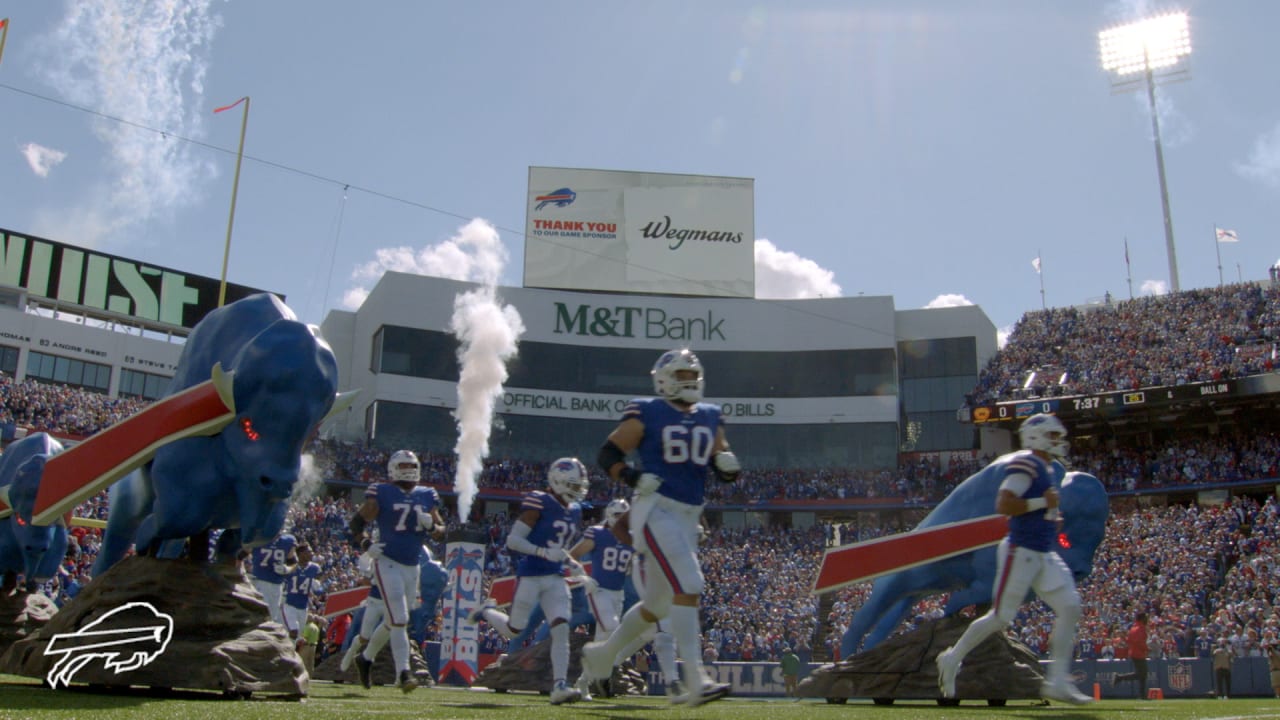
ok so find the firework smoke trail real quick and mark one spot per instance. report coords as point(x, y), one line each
point(488, 333)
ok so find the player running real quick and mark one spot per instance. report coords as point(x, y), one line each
point(679, 439)
point(405, 512)
point(1025, 560)
point(547, 524)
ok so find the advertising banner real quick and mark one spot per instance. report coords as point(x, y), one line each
point(640, 232)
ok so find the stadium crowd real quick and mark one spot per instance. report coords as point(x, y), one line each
point(1185, 337)
point(1203, 574)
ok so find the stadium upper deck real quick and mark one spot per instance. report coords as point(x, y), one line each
point(805, 383)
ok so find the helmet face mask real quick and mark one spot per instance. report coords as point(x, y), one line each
point(403, 468)
point(677, 376)
point(1046, 434)
point(616, 508)
point(567, 477)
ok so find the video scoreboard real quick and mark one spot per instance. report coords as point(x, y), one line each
point(1117, 403)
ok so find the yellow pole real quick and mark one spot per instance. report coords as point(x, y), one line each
point(231, 216)
point(4, 35)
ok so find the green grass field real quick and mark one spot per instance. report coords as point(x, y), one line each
point(24, 698)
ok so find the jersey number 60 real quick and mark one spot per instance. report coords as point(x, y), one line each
point(680, 444)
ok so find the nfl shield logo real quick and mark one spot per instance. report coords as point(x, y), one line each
point(1180, 677)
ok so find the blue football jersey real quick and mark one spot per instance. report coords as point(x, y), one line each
point(1031, 530)
point(610, 559)
point(299, 585)
point(398, 520)
point(266, 557)
point(556, 527)
point(676, 445)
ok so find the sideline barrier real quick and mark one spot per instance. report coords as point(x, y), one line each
point(1168, 679)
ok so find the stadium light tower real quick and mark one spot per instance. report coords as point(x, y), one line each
point(1137, 55)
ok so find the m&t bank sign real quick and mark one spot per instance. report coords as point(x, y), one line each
point(630, 321)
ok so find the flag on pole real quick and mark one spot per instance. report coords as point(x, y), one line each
point(4, 34)
point(1226, 235)
point(1036, 264)
point(228, 107)
point(1126, 252)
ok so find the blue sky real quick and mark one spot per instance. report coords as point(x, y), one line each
point(924, 150)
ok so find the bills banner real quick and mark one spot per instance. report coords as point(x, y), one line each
point(459, 639)
point(636, 232)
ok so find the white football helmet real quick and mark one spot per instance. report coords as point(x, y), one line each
point(404, 468)
point(614, 510)
point(667, 385)
point(567, 478)
point(1045, 433)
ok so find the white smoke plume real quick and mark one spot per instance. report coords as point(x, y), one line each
point(488, 333)
point(784, 275)
point(143, 61)
point(310, 482)
point(41, 159)
point(1153, 287)
point(473, 255)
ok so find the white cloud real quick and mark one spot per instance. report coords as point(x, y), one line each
point(1264, 159)
point(782, 275)
point(948, 300)
point(42, 159)
point(1153, 287)
point(475, 254)
point(143, 61)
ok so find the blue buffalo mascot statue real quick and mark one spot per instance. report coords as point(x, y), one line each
point(27, 549)
point(284, 381)
point(969, 577)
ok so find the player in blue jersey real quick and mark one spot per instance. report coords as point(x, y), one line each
point(369, 619)
point(680, 440)
point(546, 526)
point(610, 562)
point(1026, 560)
point(404, 512)
point(269, 565)
point(298, 587)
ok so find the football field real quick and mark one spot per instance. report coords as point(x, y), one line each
point(24, 698)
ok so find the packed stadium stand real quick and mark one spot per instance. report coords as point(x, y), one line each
point(1192, 538)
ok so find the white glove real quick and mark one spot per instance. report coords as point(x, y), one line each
point(368, 558)
point(727, 463)
point(425, 521)
point(647, 484)
point(281, 569)
point(587, 583)
point(553, 554)
point(575, 567)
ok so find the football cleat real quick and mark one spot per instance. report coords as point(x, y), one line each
point(948, 668)
point(708, 692)
point(365, 669)
point(564, 693)
point(1063, 691)
point(584, 687)
point(475, 616)
point(407, 682)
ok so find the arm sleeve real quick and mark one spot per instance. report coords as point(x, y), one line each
point(518, 539)
point(1016, 483)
